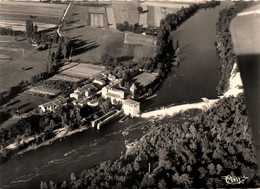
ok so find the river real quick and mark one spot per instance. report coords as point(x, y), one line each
point(196, 77)
point(198, 73)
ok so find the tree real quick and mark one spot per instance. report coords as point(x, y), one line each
point(29, 28)
point(140, 10)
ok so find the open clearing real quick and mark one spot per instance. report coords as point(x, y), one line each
point(11, 48)
point(23, 103)
point(33, 62)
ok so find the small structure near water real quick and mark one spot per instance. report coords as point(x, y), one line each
point(131, 107)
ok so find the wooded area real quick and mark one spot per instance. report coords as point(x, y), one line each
point(224, 42)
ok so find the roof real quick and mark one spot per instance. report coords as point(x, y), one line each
point(89, 87)
point(133, 86)
point(93, 102)
point(78, 93)
point(113, 95)
point(51, 103)
point(131, 102)
point(84, 101)
point(145, 78)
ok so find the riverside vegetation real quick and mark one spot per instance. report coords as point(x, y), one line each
point(224, 42)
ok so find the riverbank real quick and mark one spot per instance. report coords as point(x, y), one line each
point(59, 134)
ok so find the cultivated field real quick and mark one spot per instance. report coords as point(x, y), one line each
point(82, 70)
point(79, 15)
point(126, 11)
point(21, 25)
point(111, 18)
point(91, 43)
point(158, 10)
point(37, 12)
point(43, 91)
point(67, 78)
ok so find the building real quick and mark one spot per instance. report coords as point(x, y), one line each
point(89, 89)
point(111, 77)
point(100, 82)
point(93, 103)
point(113, 94)
point(52, 106)
point(77, 95)
point(83, 102)
point(133, 90)
point(131, 107)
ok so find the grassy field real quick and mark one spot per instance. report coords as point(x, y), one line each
point(11, 48)
point(37, 12)
point(23, 103)
point(146, 52)
point(33, 62)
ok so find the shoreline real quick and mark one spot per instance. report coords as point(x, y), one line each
point(59, 134)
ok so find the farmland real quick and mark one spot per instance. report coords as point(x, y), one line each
point(125, 11)
point(82, 70)
point(43, 91)
point(91, 43)
point(157, 11)
point(37, 12)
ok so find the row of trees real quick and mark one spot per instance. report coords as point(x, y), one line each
point(196, 153)
point(136, 28)
point(9, 31)
point(224, 42)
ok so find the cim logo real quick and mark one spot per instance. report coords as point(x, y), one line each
point(234, 179)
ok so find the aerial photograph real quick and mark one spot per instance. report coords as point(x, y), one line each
point(129, 94)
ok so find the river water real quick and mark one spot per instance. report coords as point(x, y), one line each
point(198, 73)
point(196, 77)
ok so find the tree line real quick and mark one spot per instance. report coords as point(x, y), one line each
point(224, 42)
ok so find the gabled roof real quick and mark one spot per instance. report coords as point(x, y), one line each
point(133, 86)
point(131, 102)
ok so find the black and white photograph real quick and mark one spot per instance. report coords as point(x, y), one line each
point(129, 94)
